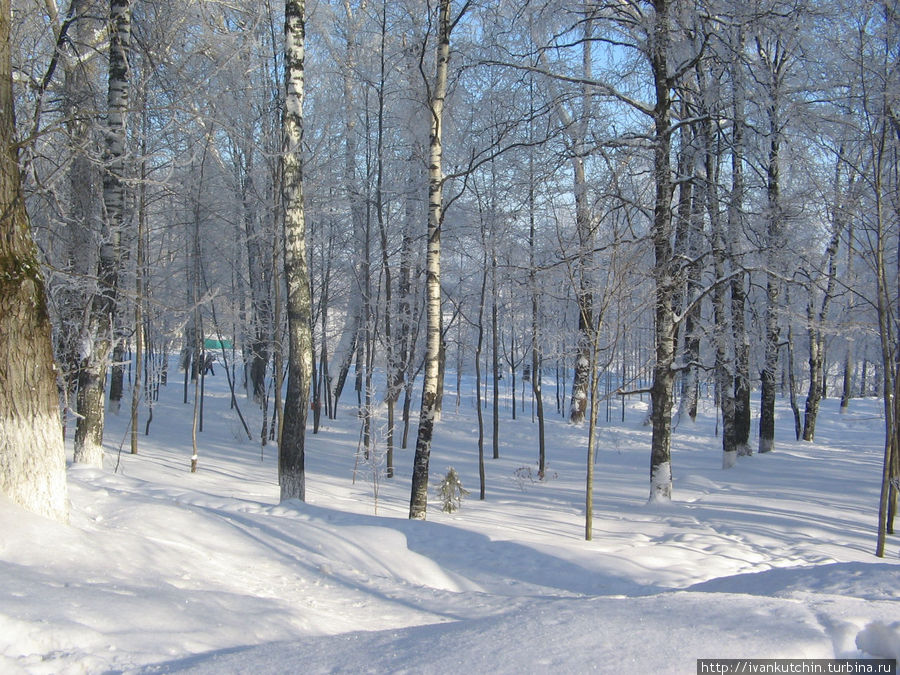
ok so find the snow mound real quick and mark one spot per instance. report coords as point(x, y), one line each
point(881, 640)
point(866, 581)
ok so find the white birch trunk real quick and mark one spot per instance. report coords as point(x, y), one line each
point(291, 446)
point(97, 343)
point(418, 501)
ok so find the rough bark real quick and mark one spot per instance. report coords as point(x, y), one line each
point(742, 409)
point(773, 57)
point(773, 284)
point(584, 263)
point(661, 389)
point(32, 454)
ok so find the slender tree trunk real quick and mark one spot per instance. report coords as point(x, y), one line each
point(592, 435)
point(792, 383)
point(32, 454)
point(291, 445)
point(661, 389)
point(260, 291)
point(584, 294)
point(692, 328)
point(393, 372)
point(849, 356)
point(742, 408)
point(198, 363)
point(139, 283)
point(92, 376)
point(347, 347)
point(418, 501)
point(686, 216)
point(478, 346)
point(775, 62)
point(407, 324)
point(816, 317)
point(724, 368)
point(536, 356)
point(581, 381)
point(117, 366)
point(886, 294)
point(81, 258)
point(495, 362)
point(816, 344)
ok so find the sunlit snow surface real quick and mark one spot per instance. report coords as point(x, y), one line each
point(161, 570)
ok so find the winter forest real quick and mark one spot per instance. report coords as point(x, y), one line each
point(382, 216)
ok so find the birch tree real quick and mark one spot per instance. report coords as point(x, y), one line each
point(97, 340)
point(773, 56)
point(734, 233)
point(661, 389)
point(69, 293)
point(291, 445)
point(418, 501)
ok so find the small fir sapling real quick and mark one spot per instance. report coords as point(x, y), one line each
point(451, 491)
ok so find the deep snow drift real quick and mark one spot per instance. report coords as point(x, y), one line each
point(161, 570)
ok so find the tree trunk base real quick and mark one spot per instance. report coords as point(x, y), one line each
point(661, 483)
point(729, 459)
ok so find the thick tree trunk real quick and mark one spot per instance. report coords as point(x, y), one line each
point(291, 445)
point(32, 454)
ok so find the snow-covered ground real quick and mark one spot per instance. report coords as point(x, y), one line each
point(161, 570)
